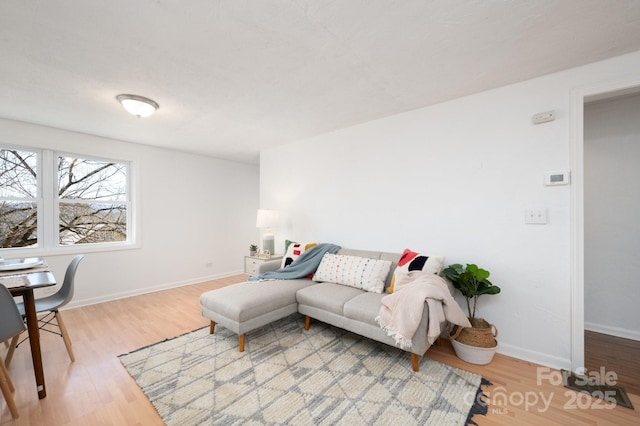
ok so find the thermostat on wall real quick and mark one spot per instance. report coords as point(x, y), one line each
point(556, 178)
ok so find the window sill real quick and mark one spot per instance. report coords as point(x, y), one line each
point(67, 250)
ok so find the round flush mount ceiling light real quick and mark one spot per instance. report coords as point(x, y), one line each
point(138, 105)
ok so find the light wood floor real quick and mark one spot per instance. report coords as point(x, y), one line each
point(96, 389)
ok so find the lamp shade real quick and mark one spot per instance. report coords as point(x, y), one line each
point(267, 218)
point(138, 105)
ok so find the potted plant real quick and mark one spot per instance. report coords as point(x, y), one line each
point(253, 249)
point(476, 344)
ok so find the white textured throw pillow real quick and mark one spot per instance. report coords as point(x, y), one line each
point(354, 271)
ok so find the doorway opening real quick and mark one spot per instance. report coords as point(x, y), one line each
point(603, 329)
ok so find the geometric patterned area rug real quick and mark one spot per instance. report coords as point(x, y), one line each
point(324, 376)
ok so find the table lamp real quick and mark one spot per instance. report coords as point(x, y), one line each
point(267, 219)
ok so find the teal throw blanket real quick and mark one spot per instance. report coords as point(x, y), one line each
point(304, 265)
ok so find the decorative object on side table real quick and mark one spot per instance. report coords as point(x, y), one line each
point(476, 344)
point(268, 220)
point(253, 249)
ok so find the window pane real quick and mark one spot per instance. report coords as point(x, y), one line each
point(18, 177)
point(80, 179)
point(18, 224)
point(85, 223)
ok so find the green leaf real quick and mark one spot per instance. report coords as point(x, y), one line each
point(482, 274)
point(487, 288)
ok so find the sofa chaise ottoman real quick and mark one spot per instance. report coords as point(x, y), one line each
point(246, 306)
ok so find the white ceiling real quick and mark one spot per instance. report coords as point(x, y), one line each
point(233, 77)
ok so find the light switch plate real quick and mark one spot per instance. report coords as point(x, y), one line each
point(535, 216)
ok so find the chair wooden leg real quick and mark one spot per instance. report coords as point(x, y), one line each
point(241, 341)
point(307, 322)
point(12, 350)
point(65, 336)
point(7, 377)
point(415, 362)
point(212, 327)
point(7, 387)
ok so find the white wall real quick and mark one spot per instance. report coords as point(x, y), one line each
point(194, 210)
point(454, 179)
point(612, 210)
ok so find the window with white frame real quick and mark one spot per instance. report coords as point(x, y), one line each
point(50, 200)
point(19, 198)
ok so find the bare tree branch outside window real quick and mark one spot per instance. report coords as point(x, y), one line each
point(92, 198)
point(18, 198)
point(92, 195)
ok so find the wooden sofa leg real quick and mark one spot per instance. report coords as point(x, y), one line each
point(241, 340)
point(415, 362)
point(307, 322)
point(212, 327)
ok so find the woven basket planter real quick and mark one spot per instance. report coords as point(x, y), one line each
point(476, 344)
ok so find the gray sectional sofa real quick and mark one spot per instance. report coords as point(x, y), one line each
point(246, 306)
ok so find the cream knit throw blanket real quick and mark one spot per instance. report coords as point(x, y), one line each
point(401, 311)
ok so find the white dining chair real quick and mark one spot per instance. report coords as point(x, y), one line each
point(11, 325)
point(51, 305)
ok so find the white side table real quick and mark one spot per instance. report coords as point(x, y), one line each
point(251, 263)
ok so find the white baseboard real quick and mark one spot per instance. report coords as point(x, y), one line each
point(75, 303)
point(534, 356)
point(613, 331)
